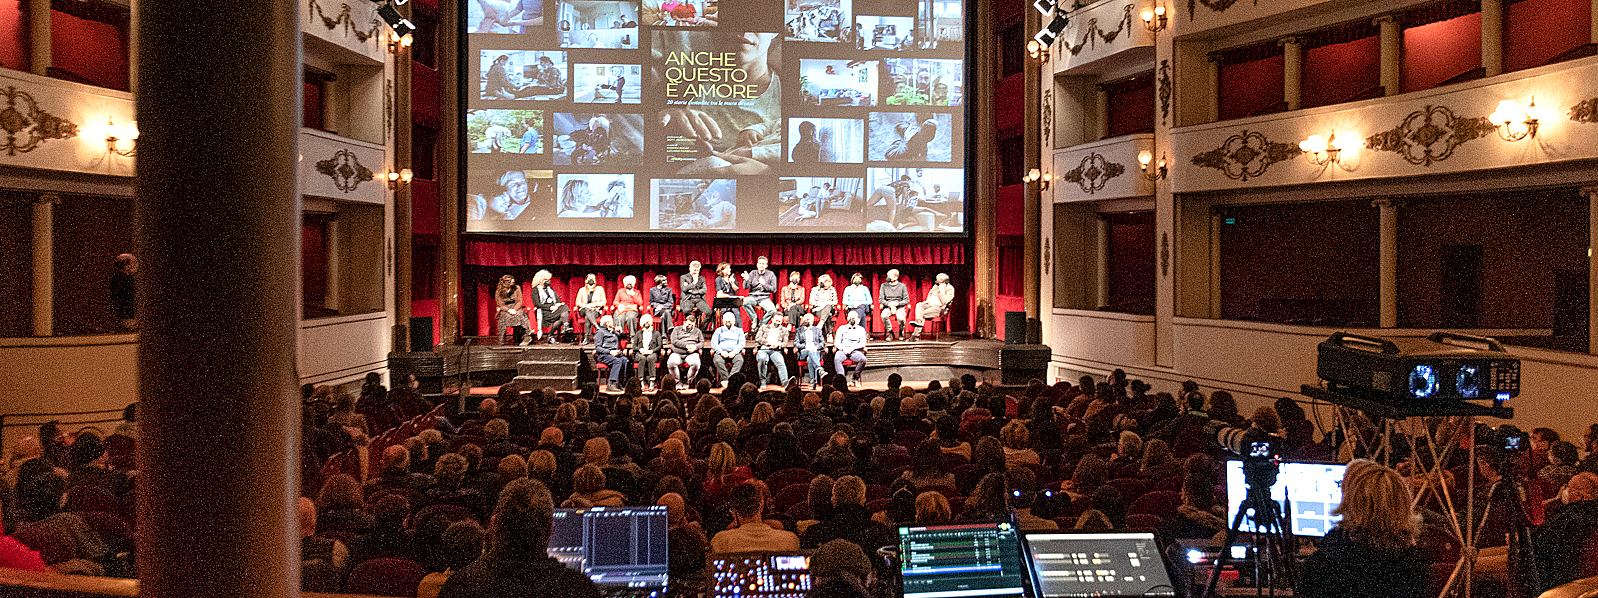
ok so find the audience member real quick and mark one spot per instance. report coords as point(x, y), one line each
point(750, 532)
point(850, 520)
point(516, 562)
point(1373, 546)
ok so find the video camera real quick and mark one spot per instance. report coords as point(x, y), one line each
point(1258, 451)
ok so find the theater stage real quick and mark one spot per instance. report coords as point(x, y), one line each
point(482, 364)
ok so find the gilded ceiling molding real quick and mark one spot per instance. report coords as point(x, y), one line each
point(1246, 155)
point(1094, 172)
point(347, 19)
point(26, 125)
point(1430, 135)
point(1092, 35)
point(345, 169)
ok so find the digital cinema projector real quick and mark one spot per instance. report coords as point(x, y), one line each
point(1419, 374)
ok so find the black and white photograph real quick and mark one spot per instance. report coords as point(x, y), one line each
point(523, 75)
point(712, 127)
point(607, 84)
point(598, 24)
point(592, 139)
point(693, 204)
point(925, 82)
point(504, 200)
point(681, 13)
point(503, 16)
point(826, 140)
point(910, 136)
point(838, 82)
point(885, 33)
point(595, 196)
point(915, 200)
point(833, 202)
point(505, 131)
point(817, 20)
point(939, 21)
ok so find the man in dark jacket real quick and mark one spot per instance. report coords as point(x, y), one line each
point(850, 520)
point(693, 286)
point(607, 350)
point(1558, 543)
point(761, 282)
point(894, 298)
point(515, 563)
point(686, 341)
point(647, 344)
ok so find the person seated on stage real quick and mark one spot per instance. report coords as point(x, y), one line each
point(851, 346)
point(629, 303)
point(517, 556)
point(727, 347)
point(607, 350)
point(590, 305)
point(749, 531)
point(823, 300)
point(810, 340)
point(762, 283)
point(1373, 546)
point(773, 341)
point(648, 345)
point(857, 297)
point(661, 302)
point(727, 286)
point(894, 297)
point(936, 305)
point(792, 303)
point(693, 289)
point(552, 312)
point(685, 342)
point(509, 310)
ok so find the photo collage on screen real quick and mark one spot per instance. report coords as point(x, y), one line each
point(721, 116)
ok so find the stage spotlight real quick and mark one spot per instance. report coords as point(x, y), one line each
point(401, 25)
point(1051, 31)
point(1045, 7)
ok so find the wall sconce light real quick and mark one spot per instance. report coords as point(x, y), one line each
point(395, 179)
point(1327, 150)
point(1037, 50)
point(398, 43)
point(1515, 124)
point(1039, 177)
point(114, 136)
point(1154, 18)
point(1144, 159)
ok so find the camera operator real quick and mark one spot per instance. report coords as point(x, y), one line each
point(1373, 546)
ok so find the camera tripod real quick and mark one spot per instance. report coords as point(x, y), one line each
point(1273, 543)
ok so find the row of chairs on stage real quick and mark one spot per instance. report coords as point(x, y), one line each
point(747, 317)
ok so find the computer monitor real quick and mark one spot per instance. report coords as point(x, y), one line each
point(957, 561)
point(617, 547)
point(758, 575)
point(1315, 489)
point(1068, 565)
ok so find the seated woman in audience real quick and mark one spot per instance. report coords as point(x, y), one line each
point(1128, 452)
point(686, 565)
point(782, 452)
point(339, 506)
point(1018, 444)
point(1373, 546)
point(989, 501)
point(588, 484)
point(820, 500)
point(1090, 473)
point(1157, 463)
point(836, 455)
point(722, 474)
point(1200, 515)
point(932, 508)
point(947, 433)
point(927, 469)
point(839, 569)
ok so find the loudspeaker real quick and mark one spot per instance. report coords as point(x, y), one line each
point(1034, 331)
point(1015, 328)
point(421, 334)
point(1021, 363)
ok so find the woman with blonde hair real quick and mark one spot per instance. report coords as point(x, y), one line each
point(1374, 545)
point(823, 300)
point(723, 473)
point(932, 508)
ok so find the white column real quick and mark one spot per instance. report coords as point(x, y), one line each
point(1101, 255)
point(1388, 260)
point(1213, 88)
point(1101, 97)
point(334, 277)
point(1292, 71)
point(1392, 41)
point(39, 58)
point(44, 264)
point(1492, 37)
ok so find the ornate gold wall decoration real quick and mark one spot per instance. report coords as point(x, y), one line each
point(347, 19)
point(345, 169)
point(1165, 90)
point(1092, 34)
point(1430, 135)
point(1165, 254)
point(1584, 112)
point(1246, 155)
point(1094, 172)
point(1047, 106)
point(26, 125)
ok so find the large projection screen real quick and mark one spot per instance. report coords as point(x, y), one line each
point(753, 117)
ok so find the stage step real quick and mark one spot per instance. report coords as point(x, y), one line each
point(547, 368)
point(533, 383)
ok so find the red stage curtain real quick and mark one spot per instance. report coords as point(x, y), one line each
point(578, 252)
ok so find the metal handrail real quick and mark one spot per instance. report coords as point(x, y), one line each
point(4, 417)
